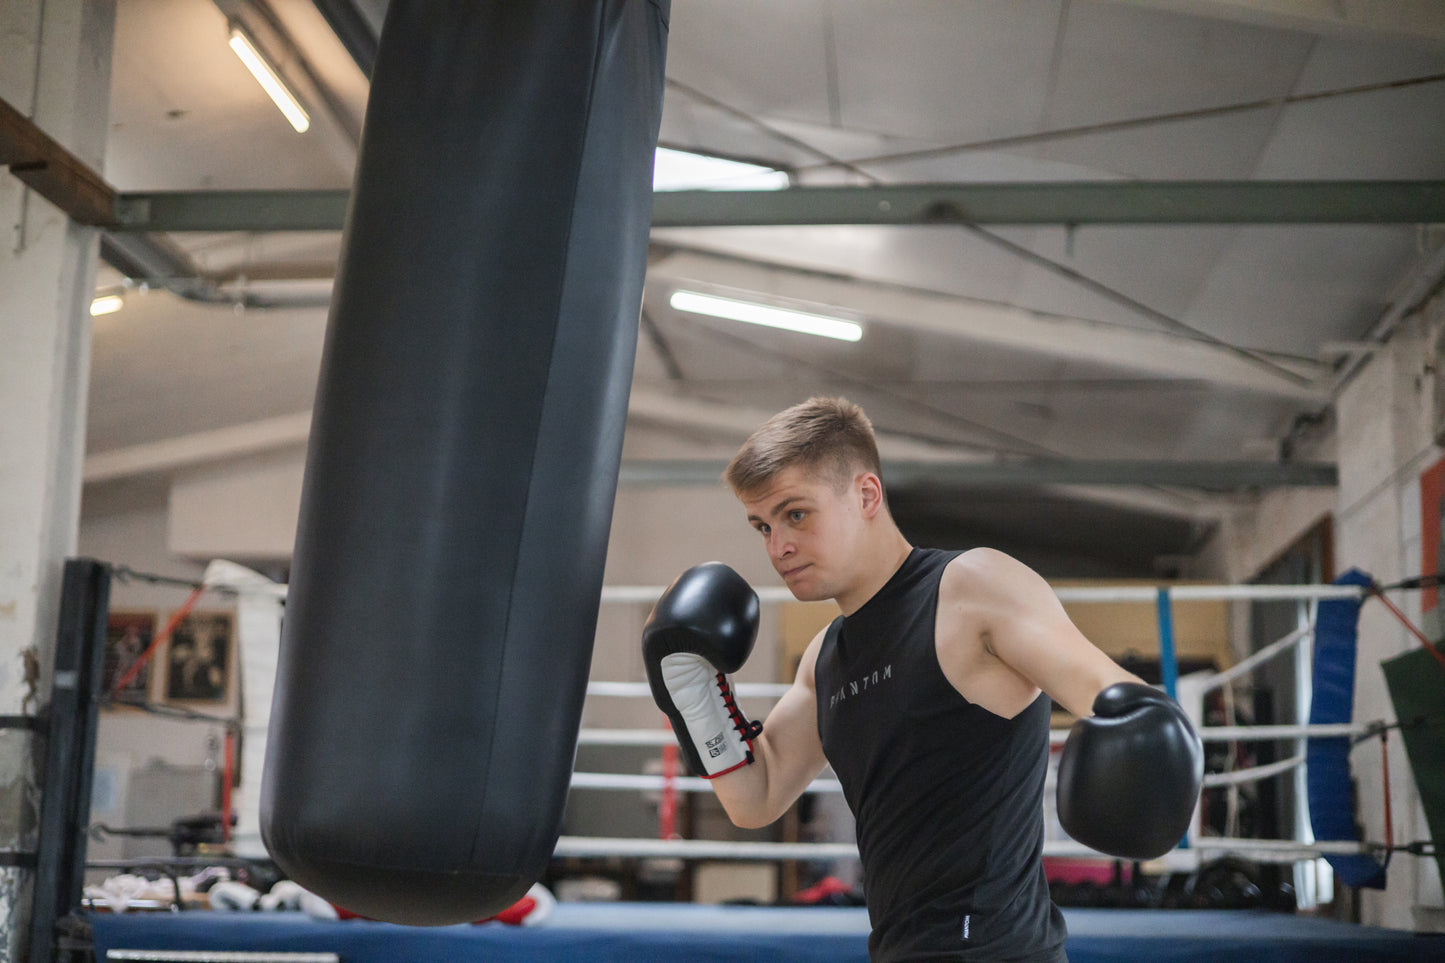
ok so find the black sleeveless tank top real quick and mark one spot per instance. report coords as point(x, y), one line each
point(948, 797)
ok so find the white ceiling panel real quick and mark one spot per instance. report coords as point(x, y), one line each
point(1161, 267)
point(1335, 63)
point(758, 56)
point(979, 167)
point(1120, 61)
point(933, 69)
point(1386, 135)
point(944, 259)
point(1289, 289)
point(1225, 147)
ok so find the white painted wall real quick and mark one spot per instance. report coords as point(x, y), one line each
point(1385, 442)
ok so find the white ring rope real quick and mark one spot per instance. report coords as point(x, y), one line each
point(641, 690)
point(1078, 593)
point(1253, 773)
point(1245, 666)
point(664, 737)
point(1263, 850)
point(1324, 730)
point(1283, 846)
point(612, 780)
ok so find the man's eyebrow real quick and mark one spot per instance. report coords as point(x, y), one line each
point(779, 507)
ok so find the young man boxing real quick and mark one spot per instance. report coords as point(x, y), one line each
point(925, 696)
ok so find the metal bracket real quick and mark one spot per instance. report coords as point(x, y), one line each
point(35, 724)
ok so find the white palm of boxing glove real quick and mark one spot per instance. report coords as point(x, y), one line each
point(701, 629)
point(704, 698)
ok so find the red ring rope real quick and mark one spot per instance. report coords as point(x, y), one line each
point(227, 775)
point(667, 805)
point(1409, 626)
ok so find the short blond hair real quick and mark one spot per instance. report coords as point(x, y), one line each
point(828, 437)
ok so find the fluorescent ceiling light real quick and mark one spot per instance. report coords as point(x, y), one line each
point(106, 304)
point(676, 170)
point(269, 80)
point(800, 321)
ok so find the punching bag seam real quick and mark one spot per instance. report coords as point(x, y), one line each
point(599, 36)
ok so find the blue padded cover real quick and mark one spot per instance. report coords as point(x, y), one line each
point(1331, 791)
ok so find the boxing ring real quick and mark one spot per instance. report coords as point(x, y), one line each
point(637, 932)
point(623, 930)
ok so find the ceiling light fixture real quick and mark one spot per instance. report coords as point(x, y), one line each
point(784, 318)
point(269, 79)
point(677, 170)
point(106, 304)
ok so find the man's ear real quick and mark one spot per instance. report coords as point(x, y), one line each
point(870, 490)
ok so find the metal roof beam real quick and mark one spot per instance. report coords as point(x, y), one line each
point(1207, 475)
point(1081, 203)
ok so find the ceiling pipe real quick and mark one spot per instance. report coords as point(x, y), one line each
point(158, 263)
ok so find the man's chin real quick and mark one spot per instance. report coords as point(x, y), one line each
point(806, 592)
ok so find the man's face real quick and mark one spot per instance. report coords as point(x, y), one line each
point(810, 529)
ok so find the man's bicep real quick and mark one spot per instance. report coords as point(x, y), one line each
point(791, 747)
point(790, 733)
point(1029, 631)
point(1049, 650)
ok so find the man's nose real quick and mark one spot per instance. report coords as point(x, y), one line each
point(778, 544)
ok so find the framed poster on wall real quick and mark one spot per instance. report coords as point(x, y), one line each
point(127, 636)
point(198, 659)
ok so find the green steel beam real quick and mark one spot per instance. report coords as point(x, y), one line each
point(1207, 475)
point(1109, 202)
point(1112, 202)
point(174, 211)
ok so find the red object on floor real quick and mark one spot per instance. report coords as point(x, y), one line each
point(517, 912)
point(821, 890)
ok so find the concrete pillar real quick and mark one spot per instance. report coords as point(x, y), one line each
point(54, 68)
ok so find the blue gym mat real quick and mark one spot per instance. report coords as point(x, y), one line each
point(629, 932)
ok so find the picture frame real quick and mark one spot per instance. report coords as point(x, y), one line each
point(128, 634)
point(198, 658)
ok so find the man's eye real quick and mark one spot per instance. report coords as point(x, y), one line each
point(796, 515)
point(762, 529)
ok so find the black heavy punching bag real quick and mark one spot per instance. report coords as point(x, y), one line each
point(464, 454)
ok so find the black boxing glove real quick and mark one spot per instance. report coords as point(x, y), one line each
point(1130, 774)
point(702, 628)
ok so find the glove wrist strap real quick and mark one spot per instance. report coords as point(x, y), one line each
point(724, 742)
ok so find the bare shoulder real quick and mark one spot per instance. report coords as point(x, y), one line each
point(978, 602)
point(986, 579)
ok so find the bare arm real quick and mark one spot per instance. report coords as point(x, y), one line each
point(786, 757)
point(1023, 625)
